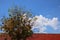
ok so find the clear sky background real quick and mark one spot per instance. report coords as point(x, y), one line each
point(48, 10)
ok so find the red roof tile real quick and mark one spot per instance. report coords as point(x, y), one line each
point(35, 37)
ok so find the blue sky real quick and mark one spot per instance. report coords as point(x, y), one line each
point(48, 8)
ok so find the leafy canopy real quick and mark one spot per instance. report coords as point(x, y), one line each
point(18, 24)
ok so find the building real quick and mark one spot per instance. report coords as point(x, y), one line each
point(35, 37)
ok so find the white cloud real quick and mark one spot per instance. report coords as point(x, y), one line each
point(41, 23)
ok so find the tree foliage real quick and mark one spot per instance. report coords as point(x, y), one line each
point(17, 26)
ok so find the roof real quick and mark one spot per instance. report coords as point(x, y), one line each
point(45, 37)
point(36, 37)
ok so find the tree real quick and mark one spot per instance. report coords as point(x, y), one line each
point(17, 25)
